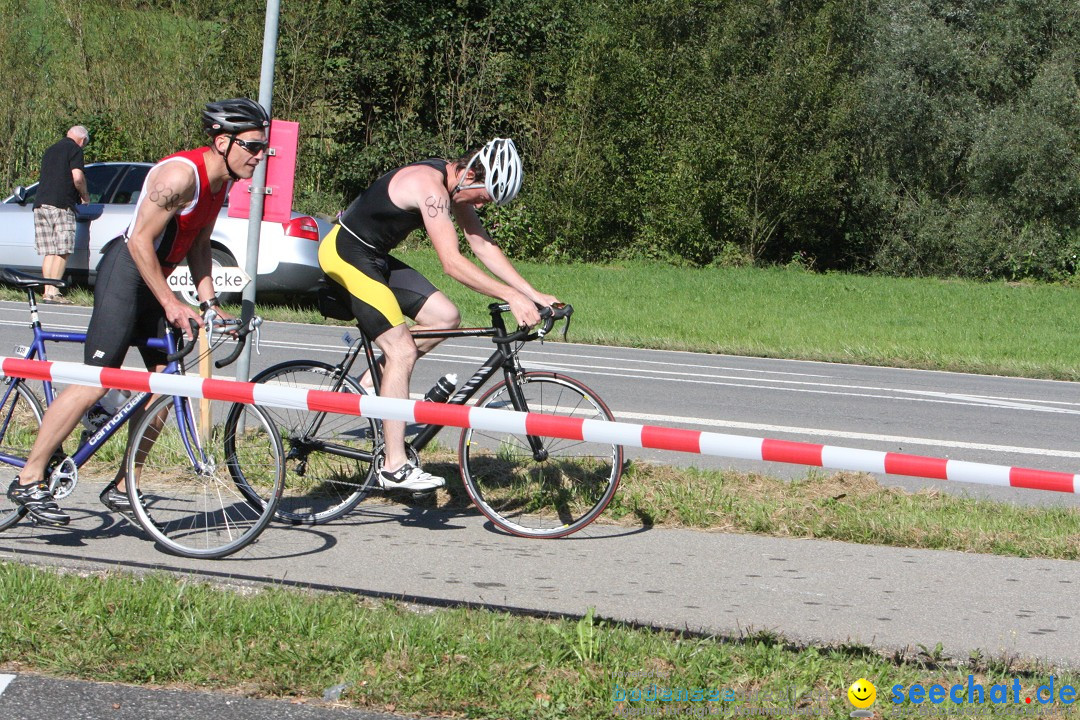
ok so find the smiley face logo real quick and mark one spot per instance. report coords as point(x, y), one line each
point(862, 693)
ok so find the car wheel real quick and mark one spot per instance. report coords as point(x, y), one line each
point(219, 258)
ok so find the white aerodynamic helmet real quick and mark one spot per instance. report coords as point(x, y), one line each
point(502, 170)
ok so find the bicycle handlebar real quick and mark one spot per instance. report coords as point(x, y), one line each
point(186, 349)
point(550, 316)
point(247, 323)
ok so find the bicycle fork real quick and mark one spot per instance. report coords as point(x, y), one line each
point(517, 399)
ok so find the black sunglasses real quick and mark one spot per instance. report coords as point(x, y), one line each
point(252, 146)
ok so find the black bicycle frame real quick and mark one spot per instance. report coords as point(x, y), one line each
point(499, 359)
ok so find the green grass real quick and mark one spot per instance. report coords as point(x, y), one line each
point(851, 507)
point(388, 656)
point(951, 325)
point(480, 664)
point(992, 328)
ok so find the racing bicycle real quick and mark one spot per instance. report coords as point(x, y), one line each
point(527, 485)
point(188, 468)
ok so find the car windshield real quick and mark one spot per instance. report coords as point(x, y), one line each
point(98, 179)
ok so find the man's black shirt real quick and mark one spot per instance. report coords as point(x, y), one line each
point(57, 188)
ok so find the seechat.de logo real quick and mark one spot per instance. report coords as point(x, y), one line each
point(862, 695)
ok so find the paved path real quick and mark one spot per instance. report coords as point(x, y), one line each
point(810, 591)
point(36, 697)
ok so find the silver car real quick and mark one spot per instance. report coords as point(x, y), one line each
point(288, 252)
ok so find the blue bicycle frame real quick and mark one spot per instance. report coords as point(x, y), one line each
point(91, 444)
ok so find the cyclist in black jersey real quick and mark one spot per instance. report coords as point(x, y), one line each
point(382, 290)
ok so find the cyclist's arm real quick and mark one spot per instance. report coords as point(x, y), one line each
point(170, 187)
point(493, 258)
point(200, 264)
point(440, 228)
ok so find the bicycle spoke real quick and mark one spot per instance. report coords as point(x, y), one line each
point(327, 455)
point(20, 419)
point(554, 491)
point(201, 509)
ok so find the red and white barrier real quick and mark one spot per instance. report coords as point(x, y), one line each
point(619, 433)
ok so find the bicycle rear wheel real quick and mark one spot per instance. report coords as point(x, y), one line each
point(548, 493)
point(327, 456)
point(188, 467)
point(20, 419)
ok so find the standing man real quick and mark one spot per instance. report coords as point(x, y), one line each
point(173, 219)
point(61, 187)
point(382, 290)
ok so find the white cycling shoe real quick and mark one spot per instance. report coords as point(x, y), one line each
point(411, 478)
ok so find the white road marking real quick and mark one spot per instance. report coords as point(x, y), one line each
point(534, 352)
point(871, 391)
point(51, 326)
point(818, 432)
point(5, 680)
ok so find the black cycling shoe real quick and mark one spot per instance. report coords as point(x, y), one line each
point(117, 501)
point(38, 501)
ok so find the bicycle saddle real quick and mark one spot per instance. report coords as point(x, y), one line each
point(8, 276)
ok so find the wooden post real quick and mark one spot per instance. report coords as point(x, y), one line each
point(205, 371)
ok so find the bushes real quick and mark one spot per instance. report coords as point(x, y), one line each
point(899, 136)
point(970, 140)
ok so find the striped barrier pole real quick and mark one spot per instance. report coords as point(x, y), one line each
point(604, 431)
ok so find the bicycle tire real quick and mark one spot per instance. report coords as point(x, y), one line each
point(320, 484)
point(551, 497)
point(187, 498)
point(20, 420)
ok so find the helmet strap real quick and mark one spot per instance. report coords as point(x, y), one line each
point(225, 156)
point(461, 180)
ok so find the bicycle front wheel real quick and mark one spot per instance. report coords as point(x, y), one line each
point(187, 467)
point(550, 490)
point(327, 456)
point(20, 419)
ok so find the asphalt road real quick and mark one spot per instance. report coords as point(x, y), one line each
point(35, 697)
point(977, 418)
point(810, 591)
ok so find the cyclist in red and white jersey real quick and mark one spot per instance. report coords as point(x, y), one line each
point(172, 222)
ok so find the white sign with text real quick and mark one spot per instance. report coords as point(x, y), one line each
point(226, 279)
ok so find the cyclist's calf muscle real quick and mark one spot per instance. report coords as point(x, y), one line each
point(57, 424)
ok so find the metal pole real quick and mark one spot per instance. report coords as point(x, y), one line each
point(258, 181)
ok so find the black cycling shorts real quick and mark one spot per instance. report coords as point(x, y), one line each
point(124, 311)
point(381, 290)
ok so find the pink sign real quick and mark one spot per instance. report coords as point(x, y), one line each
point(280, 170)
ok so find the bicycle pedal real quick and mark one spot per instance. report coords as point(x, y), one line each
point(38, 522)
point(403, 492)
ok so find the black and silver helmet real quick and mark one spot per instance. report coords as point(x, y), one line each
point(234, 116)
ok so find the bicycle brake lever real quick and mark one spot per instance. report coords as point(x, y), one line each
point(257, 331)
point(549, 322)
point(208, 323)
